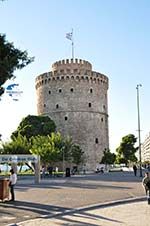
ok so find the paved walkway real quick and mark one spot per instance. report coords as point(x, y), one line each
point(129, 214)
point(49, 201)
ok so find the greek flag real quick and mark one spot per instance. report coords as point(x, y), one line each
point(69, 36)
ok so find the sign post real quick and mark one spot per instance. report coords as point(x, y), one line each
point(14, 159)
point(37, 170)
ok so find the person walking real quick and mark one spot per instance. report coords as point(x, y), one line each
point(135, 169)
point(146, 182)
point(12, 182)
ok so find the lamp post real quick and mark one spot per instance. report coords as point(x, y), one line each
point(63, 162)
point(139, 131)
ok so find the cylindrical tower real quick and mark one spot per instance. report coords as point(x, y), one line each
point(75, 97)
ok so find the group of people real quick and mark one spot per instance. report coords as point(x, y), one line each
point(145, 182)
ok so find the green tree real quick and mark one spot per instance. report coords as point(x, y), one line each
point(19, 145)
point(11, 59)
point(77, 154)
point(35, 125)
point(108, 157)
point(48, 147)
point(67, 148)
point(126, 151)
point(54, 148)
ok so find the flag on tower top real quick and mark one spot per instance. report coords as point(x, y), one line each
point(69, 36)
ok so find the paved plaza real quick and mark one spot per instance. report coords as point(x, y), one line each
point(53, 198)
point(132, 214)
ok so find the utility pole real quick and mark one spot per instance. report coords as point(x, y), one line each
point(139, 130)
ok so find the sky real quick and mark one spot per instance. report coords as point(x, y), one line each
point(113, 35)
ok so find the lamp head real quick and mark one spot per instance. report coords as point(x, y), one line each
point(139, 85)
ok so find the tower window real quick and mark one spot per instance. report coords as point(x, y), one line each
point(57, 106)
point(90, 105)
point(49, 92)
point(96, 140)
point(66, 118)
point(60, 90)
point(75, 70)
point(71, 90)
point(91, 90)
point(101, 119)
point(104, 107)
point(44, 105)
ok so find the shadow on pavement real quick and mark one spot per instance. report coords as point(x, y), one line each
point(40, 209)
point(74, 185)
point(81, 218)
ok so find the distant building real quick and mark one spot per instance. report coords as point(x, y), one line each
point(75, 97)
point(145, 149)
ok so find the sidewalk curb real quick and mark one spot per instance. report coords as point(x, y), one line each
point(86, 208)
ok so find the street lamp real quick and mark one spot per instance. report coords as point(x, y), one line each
point(139, 131)
point(63, 160)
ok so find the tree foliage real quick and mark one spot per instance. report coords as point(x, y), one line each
point(55, 148)
point(35, 125)
point(19, 145)
point(77, 154)
point(126, 151)
point(49, 148)
point(108, 157)
point(36, 135)
point(11, 59)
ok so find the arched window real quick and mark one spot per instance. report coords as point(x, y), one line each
point(66, 118)
point(57, 106)
point(60, 90)
point(96, 140)
point(49, 92)
point(71, 90)
point(91, 90)
point(90, 105)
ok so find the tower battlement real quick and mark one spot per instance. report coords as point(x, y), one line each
point(70, 64)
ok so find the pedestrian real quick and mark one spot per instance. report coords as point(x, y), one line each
point(146, 182)
point(12, 182)
point(135, 169)
point(50, 170)
point(43, 172)
point(148, 167)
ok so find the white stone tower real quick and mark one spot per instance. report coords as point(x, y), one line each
point(75, 97)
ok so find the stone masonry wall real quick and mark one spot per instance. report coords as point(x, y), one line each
point(75, 97)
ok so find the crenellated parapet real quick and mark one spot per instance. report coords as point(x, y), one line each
point(70, 64)
point(77, 70)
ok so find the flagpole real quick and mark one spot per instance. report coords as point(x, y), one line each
point(72, 46)
point(70, 37)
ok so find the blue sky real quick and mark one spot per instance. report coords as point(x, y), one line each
point(112, 34)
